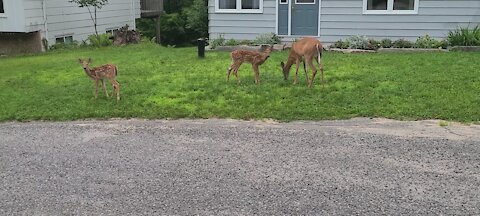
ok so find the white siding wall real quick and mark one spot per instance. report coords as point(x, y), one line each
point(242, 26)
point(13, 18)
point(64, 18)
point(344, 18)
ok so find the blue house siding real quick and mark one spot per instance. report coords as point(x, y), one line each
point(343, 18)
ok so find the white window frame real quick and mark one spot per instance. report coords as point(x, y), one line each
point(390, 9)
point(299, 3)
point(284, 3)
point(63, 38)
point(239, 8)
point(4, 14)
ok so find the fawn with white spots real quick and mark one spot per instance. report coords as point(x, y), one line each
point(108, 71)
point(253, 57)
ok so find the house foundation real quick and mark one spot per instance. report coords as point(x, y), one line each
point(20, 43)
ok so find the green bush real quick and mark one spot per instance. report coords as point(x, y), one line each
point(358, 42)
point(61, 46)
point(146, 27)
point(402, 43)
point(464, 36)
point(216, 42)
point(267, 38)
point(340, 44)
point(100, 41)
point(386, 43)
point(374, 44)
point(232, 42)
point(246, 42)
point(173, 29)
point(197, 19)
point(427, 42)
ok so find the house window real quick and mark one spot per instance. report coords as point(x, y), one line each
point(239, 6)
point(113, 32)
point(390, 6)
point(304, 1)
point(2, 10)
point(283, 1)
point(64, 39)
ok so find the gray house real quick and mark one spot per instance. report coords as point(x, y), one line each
point(331, 20)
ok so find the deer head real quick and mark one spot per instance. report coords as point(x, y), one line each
point(85, 63)
point(285, 70)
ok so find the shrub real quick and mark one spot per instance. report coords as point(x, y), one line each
point(267, 38)
point(374, 44)
point(358, 42)
point(340, 44)
point(196, 16)
point(220, 41)
point(100, 41)
point(426, 42)
point(246, 42)
point(231, 42)
point(386, 43)
point(402, 43)
point(443, 44)
point(60, 46)
point(464, 36)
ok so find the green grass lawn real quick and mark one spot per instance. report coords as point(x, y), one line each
point(159, 82)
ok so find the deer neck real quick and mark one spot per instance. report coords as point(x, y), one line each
point(289, 63)
point(89, 72)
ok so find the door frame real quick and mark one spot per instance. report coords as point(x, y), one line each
point(289, 2)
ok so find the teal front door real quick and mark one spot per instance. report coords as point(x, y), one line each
point(304, 20)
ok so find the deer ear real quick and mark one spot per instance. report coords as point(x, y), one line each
point(80, 60)
point(89, 60)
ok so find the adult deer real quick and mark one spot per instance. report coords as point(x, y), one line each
point(108, 71)
point(253, 57)
point(306, 49)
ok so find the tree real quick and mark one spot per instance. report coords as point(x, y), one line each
point(197, 17)
point(96, 4)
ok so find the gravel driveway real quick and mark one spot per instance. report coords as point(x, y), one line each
point(228, 167)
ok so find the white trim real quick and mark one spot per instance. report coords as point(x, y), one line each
point(319, 15)
point(286, 2)
point(289, 18)
point(239, 9)
point(277, 15)
point(314, 2)
point(390, 9)
point(4, 14)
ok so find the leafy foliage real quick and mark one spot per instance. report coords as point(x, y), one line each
point(197, 18)
point(173, 29)
point(464, 36)
point(216, 42)
point(232, 42)
point(402, 43)
point(96, 4)
point(267, 38)
point(374, 44)
point(386, 43)
point(101, 40)
point(427, 42)
point(342, 44)
point(358, 42)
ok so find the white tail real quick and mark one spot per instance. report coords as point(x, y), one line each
point(307, 49)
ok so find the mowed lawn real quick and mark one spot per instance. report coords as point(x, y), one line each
point(159, 82)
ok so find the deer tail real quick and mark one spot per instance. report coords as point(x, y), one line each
point(116, 71)
point(319, 52)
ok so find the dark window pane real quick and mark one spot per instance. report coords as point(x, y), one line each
point(59, 40)
point(403, 4)
point(1, 7)
point(69, 40)
point(250, 4)
point(376, 4)
point(227, 4)
point(283, 1)
point(305, 1)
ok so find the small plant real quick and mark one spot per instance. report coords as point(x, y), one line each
point(340, 44)
point(101, 40)
point(402, 43)
point(443, 123)
point(220, 41)
point(267, 38)
point(464, 36)
point(426, 42)
point(443, 44)
point(358, 42)
point(246, 42)
point(386, 43)
point(61, 46)
point(232, 42)
point(374, 44)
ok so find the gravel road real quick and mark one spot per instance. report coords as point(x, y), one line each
point(229, 167)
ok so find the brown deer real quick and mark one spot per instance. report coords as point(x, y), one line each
point(305, 50)
point(108, 71)
point(253, 57)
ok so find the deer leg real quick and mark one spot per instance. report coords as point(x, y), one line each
point(229, 70)
point(104, 88)
point(257, 74)
point(297, 65)
point(116, 87)
point(305, 70)
point(235, 72)
point(314, 71)
point(96, 89)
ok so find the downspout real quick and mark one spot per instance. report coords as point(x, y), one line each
point(133, 13)
point(45, 25)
